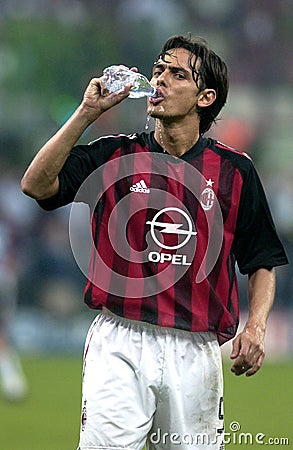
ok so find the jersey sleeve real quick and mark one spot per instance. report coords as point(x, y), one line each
point(256, 243)
point(81, 162)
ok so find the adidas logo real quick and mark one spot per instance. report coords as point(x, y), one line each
point(140, 187)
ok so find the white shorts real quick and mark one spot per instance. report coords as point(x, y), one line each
point(149, 385)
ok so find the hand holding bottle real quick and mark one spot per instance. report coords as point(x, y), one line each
point(97, 99)
point(116, 84)
point(116, 78)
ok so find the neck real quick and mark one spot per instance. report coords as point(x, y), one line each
point(176, 139)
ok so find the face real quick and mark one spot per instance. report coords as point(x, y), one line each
point(177, 90)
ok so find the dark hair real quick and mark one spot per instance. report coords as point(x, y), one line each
point(211, 73)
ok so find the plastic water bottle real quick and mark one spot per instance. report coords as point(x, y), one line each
point(115, 78)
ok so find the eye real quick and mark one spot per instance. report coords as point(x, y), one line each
point(179, 76)
point(157, 73)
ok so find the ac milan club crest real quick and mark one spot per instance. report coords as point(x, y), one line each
point(207, 196)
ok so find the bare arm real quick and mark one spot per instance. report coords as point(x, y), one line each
point(40, 181)
point(248, 346)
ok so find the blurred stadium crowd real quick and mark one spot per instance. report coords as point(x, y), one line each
point(49, 50)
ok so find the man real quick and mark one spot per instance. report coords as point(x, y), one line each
point(171, 213)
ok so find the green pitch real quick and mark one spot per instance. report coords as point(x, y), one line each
point(49, 418)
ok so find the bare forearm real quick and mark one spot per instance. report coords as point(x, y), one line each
point(41, 178)
point(248, 347)
point(261, 293)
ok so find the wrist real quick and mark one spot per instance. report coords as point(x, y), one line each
point(255, 326)
point(87, 113)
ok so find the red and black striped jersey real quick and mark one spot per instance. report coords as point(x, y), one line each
point(167, 232)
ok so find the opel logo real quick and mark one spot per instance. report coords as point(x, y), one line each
point(171, 228)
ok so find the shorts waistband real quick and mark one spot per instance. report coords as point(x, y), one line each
point(138, 325)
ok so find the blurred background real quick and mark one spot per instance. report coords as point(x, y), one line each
point(49, 50)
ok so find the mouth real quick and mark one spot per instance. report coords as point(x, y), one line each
point(158, 97)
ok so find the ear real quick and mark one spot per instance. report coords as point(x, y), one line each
point(206, 98)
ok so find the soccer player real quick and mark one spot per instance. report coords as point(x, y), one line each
point(172, 212)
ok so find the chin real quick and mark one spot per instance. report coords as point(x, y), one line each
point(157, 112)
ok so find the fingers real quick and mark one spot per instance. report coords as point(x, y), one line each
point(98, 99)
point(248, 353)
point(240, 365)
point(256, 366)
point(116, 95)
point(247, 364)
point(236, 348)
point(97, 95)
